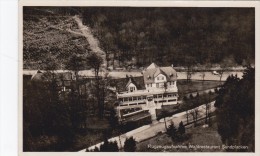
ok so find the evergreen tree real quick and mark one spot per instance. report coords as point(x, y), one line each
point(235, 110)
point(216, 90)
point(96, 149)
point(109, 146)
point(113, 120)
point(171, 130)
point(181, 128)
point(130, 145)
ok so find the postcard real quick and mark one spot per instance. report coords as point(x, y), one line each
point(139, 76)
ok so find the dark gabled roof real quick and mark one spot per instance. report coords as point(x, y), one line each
point(121, 83)
point(39, 77)
point(150, 74)
point(65, 76)
point(151, 66)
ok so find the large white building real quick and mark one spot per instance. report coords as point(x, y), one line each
point(160, 90)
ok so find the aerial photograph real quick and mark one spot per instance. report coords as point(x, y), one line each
point(138, 79)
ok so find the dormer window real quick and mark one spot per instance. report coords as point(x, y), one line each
point(131, 89)
point(149, 85)
point(171, 74)
point(148, 77)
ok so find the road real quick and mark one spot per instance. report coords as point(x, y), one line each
point(148, 131)
point(181, 75)
point(122, 74)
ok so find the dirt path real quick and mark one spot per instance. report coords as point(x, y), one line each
point(93, 42)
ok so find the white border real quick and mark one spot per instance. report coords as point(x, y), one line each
point(8, 77)
point(139, 4)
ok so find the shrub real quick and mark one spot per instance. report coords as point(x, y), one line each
point(181, 128)
point(130, 145)
point(191, 96)
point(171, 130)
point(109, 146)
point(197, 95)
point(96, 149)
point(113, 120)
point(177, 135)
point(216, 90)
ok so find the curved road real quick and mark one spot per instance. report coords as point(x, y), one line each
point(148, 131)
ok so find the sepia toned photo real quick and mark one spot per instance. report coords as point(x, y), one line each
point(138, 79)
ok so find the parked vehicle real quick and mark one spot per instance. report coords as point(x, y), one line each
point(215, 73)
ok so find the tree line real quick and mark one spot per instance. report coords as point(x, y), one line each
point(236, 111)
point(112, 146)
point(51, 110)
point(137, 36)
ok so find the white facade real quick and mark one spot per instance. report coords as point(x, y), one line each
point(161, 89)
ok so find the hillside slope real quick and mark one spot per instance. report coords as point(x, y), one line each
point(129, 36)
point(52, 36)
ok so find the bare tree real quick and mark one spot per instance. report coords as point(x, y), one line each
point(108, 44)
point(221, 72)
point(194, 112)
point(224, 67)
point(203, 70)
point(187, 116)
point(75, 64)
point(189, 63)
point(95, 61)
point(207, 109)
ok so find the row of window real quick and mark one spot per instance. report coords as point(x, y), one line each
point(158, 84)
point(133, 98)
point(158, 78)
point(161, 101)
point(149, 85)
point(131, 89)
point(161, 95)
point(144, 97)
point(132, 104)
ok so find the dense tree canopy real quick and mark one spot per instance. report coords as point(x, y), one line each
point(236, 110)
point(130, 145)
point(139, 35)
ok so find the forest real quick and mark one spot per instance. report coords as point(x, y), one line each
point(137, 36)
point(236, 111)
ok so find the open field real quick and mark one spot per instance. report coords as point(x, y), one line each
point(196, 136)
point(196, 85)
